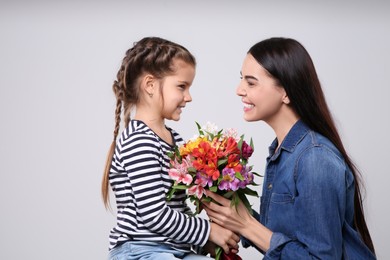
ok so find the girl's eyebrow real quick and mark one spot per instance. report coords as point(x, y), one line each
point(183, 82)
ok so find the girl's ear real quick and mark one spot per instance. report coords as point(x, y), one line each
point(148, 84)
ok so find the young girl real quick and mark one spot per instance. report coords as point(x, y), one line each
point(311, 206)
point(154, 80)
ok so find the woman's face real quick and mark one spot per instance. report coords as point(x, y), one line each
point(261, 96)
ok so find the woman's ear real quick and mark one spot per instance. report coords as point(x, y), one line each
point(286, 99)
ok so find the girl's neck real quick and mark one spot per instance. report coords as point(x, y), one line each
point(158, 127)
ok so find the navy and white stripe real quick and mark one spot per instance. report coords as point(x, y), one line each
point(139, 178)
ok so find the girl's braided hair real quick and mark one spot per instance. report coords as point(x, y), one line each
point(152, 55)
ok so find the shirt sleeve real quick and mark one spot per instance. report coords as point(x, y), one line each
point(319, 208)
point(142, 160)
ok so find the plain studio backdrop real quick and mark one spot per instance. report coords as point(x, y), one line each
point(58, 61)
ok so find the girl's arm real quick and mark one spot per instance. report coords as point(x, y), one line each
point(141, 160)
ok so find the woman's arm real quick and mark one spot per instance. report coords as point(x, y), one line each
point(319, 212)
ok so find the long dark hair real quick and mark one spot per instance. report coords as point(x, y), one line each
point(152, 55)
point(290, 65)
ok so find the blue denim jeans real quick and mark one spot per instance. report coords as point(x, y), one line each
point(141, 250)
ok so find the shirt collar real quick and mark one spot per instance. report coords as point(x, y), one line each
point(293, 137)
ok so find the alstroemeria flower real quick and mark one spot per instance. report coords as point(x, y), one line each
point(212, 160)
point(247, 174)
point(229, 180)
point(201, 182)
point(231, 132)
point(203, 179)
point(179, 172)
point(246, 150)
point(190, 146)
point(234, 162)
point(196, 190)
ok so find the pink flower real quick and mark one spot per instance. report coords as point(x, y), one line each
point(201, 181)
point(179, 172)
point(197, 190)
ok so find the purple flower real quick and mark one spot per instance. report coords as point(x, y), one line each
point(247, 175)
point(229, 180)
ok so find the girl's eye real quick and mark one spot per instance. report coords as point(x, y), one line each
point(182, 86)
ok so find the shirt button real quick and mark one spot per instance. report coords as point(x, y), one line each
point(270, 186)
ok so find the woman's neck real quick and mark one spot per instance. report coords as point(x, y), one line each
point(282, 125)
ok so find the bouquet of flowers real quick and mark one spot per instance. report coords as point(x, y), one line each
point(215, 160)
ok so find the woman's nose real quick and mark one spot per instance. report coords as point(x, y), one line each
point(240, 90)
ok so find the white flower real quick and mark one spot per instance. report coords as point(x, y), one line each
point(231, 132)
point(210, 128)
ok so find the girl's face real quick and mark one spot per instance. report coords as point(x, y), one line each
point(176, 90)
point(261, 96)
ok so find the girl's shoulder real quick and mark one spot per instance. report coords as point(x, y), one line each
point(176, 136)
point(137, 132)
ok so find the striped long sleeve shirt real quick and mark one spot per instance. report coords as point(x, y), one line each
point(140, 181)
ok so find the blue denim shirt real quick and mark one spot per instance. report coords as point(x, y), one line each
point(308, 200)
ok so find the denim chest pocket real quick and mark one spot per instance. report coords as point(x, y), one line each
point(282, 198)
point(281, 212)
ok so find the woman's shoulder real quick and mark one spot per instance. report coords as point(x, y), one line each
point(318, 143)
point(319, 158)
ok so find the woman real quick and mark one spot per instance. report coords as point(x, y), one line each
point(311, 204)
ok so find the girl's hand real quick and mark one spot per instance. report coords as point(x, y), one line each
point(224, 215)
point(224, 238)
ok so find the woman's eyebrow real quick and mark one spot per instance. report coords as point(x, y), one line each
point(249, 77)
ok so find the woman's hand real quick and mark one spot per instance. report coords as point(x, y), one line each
point(225, 215)
point(224, 238)
point(238, 220)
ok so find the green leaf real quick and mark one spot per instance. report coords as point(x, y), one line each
point(170, 194)
point(199, 129)
point(180, 187)
point(191, 170)
point(258, 175)
point(244, 200)
point(251, 144)
point(228, 194)
point(218, 253)
point(239, 144)
point(239, 176)
point(250, 192)
point(213, 188)
point(222, 161)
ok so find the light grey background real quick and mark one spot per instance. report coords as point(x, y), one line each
point(59, 59)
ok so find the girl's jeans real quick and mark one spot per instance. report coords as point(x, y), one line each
point(141, 250)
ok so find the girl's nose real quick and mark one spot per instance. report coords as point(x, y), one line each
point(188, 97)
